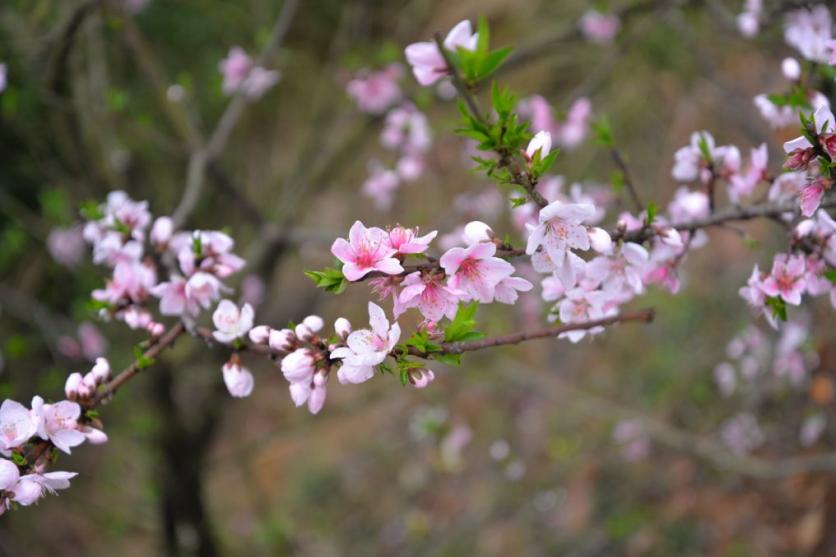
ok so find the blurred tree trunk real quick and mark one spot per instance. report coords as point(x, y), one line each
point(186, 525)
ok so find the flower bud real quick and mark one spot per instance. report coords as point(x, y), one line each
point(298, 366)
point(541, 142)
point(318, 394)
point(238, 380)
point(161, 231)
point(303, 332)
point(71, 385)
point(600, 240)
point(476, 232)
point(342, 327)
point(155, 329)
point(101, 371)
point(94, 436)
point(282, 340)
point(260, 334)
point(314, 323)
point(420, 378)
point(791, 69)
point(671, 237)
point(804, 228)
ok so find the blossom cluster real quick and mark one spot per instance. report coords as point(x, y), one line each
point(25, 433)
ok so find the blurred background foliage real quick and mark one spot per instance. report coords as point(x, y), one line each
point(511, 454)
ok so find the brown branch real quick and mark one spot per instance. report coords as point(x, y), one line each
point(166, 340)
point(619, 161)
point(643, 316)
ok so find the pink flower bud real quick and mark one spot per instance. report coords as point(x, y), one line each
point(161, 231)
point(155, 329)
point(282, 340)
point(71, 385)
point(420, 378)
point(298, 366)
point(303, 332)
point(541, 142)
point(314, 323)
point(342, 327)
point(94, 436)
point(238, 380)
point(260, 334)
point(89, 381)
point(600, 240)
point(316, 400)
point(101, 371)
point(791, 69)
point(476, 232)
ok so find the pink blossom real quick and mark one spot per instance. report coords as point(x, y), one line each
point(66, 245)
point(559, 229)
point(258, 82)
point(235, 68)
point(580, 306)
point(132, 282)
point(9, 475)
point(744, 184)
point(366, 348)
point(810, 32)
point(810, 196)
point(428, 293)
point(688, 205)
point(17, 425)
point(787, 279)
point(30, 488)
point(407, 242)
point(427, 62)
point(690, 162)
point(231, 322)
point(506, 291)
point(238, 380)
point(380, 186)
point(623, 269)
point(776, 116)
point(366, 250)
point(374, 92)
point(93, 343)
point(599, 27)
point(58, 422)
point(475, 271)
point(407, 130)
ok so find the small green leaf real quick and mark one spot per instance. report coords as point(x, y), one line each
point(652, 211)
point(830, 275)
point(329, 279)
point(91, 210)
point(18, 459)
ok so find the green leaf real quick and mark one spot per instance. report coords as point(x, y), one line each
point(603, 132)
point(329, 279)
point(463, 324)
point(449, 359)
point(142, 361)
point(830, 275)
point(652, 211)
point(18, 459)
point(90, 210)
point(703, 145)
point(778, 306)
